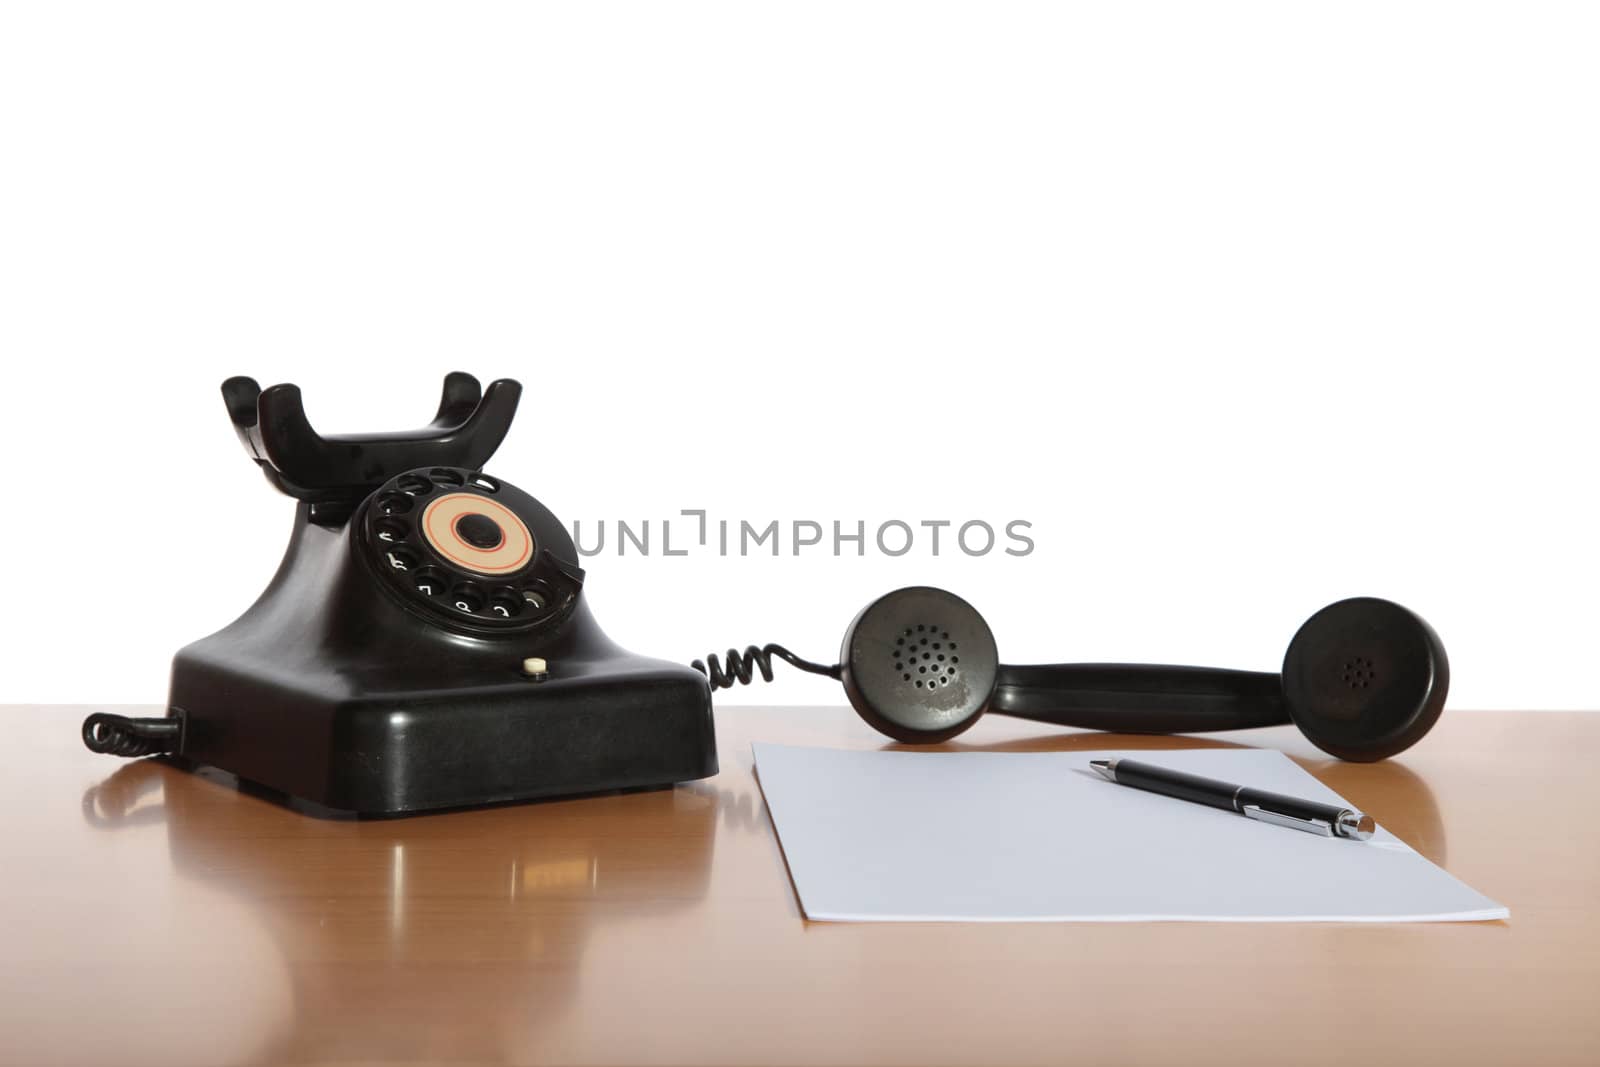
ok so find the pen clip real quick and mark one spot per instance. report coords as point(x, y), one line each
point(1310, 826)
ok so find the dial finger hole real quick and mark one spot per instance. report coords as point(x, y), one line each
point(429, 582)
point(468, 597)
point(505, 605)
point(414, 485)
point(399, 559)
point(390, 531)
point(394, 504)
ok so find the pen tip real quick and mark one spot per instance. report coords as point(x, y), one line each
point(1103, 768)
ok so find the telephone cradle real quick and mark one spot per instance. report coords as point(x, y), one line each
point(425, 643)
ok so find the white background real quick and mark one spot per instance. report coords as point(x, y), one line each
point(1246, 307)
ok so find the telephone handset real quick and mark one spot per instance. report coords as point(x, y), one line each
point(1363, 679)
point(425, 642)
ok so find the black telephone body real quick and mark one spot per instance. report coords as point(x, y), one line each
point(425, 642)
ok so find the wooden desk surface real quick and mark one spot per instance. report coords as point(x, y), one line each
point(152, 916)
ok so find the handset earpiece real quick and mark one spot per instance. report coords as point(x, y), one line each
point(1363, 679)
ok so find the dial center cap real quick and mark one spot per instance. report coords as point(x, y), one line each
point(479, 530)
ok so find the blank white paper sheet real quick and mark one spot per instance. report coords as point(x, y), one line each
point(1039, 837)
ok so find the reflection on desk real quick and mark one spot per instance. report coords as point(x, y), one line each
point(154, 915)
point(465, 896)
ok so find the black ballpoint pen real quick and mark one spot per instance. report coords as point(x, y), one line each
point(1329, 820)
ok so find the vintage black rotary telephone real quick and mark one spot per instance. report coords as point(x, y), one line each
point(425, 643)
